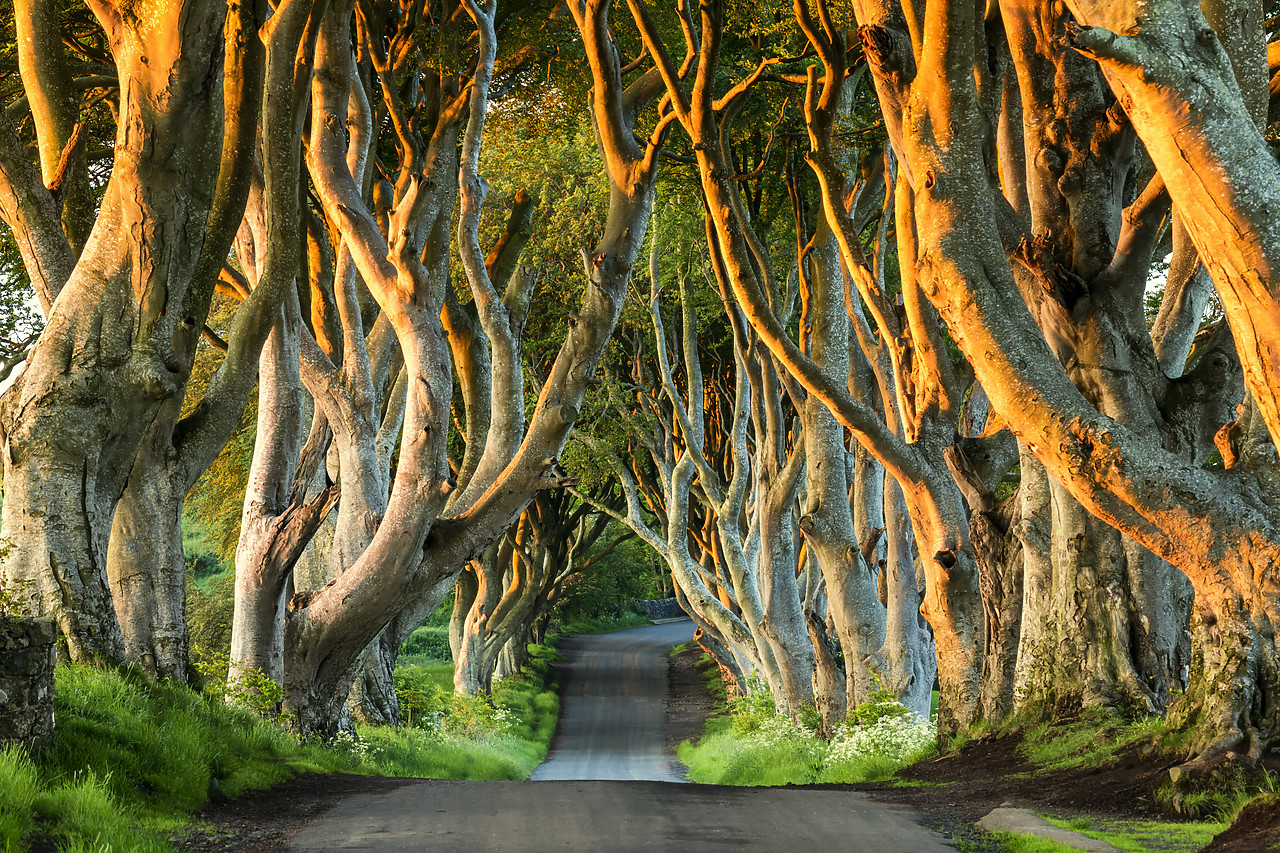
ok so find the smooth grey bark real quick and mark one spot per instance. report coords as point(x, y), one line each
point(828, 521)
point(418, 542)
point(111, 354)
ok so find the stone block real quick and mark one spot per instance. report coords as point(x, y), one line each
point(27, 656)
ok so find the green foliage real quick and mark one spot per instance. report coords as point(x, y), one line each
point(1016, 842)
point(252, 689)
point(449, 736)
point(19, 789)
point(212, 508)
point(20, 320)
point(754, 745)
point(605, 624)
point(428, 642)
point(522, 706)
point(16, 595)
point(752, 709)
point(879, 704)
point(1095, 738)
point(602, 592)
point(530, 698)
point(133, 758)
point(1219, 795)
point(210, 606)
point(776, 753)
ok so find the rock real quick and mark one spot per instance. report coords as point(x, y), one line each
point(1027, 822)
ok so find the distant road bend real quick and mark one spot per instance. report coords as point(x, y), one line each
point(608, 785)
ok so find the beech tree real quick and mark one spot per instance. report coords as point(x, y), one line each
point(968, 294)
point(1210, 523)
point(515, 582)
point(126, 299)
point(426, 532)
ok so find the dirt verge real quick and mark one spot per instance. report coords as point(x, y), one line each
point(263, 821)
point(956, 791)
point(689, 702)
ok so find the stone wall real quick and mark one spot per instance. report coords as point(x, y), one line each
point(27, 655)
point(662, 608)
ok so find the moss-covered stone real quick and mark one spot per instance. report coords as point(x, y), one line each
point(27, 657)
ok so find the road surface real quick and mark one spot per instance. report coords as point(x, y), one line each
point(613, 712)
point(612, 729)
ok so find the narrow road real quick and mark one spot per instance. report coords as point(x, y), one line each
point(612, 729)
point(613, 711)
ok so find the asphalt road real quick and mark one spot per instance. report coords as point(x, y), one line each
point(613, 711)
point(612, 729)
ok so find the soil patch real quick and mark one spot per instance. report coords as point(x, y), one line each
point(955, 791)
point(991, 772)
point(263, 821)
point(1256, 828)
point(689, 702)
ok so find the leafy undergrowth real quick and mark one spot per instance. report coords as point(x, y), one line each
point(751, 744)
point(447, 736)
point(1099, 739)
point(132, 760)
point(1101, 774)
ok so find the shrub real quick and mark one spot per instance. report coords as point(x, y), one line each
point(429, 641)
point(253, 689)
point(757, 746)
point(881, 703)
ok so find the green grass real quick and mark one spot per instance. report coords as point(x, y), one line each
point(748, 744)
point(1094, 739)
point(460, 737)
point(1141, 836)
point(710, 674)
point(1097, 738)
point(131, 760)
point(726, 756)
point(604, 624)
point(1017, 842)
point(428, 642)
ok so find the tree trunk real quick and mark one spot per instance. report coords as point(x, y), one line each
point(1235, 675)
point(831, 529)
point(784, 623)
point(908, 659)
point(1000, 571)
point(145, 560)
point(119, 340)
point(269, 544)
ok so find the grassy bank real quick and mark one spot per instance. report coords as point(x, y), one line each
point(750, 744)
point(132, 760)
point(446, 736)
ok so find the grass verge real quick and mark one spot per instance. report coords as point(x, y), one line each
point(132, 760)
point(751, 744)
point(1143, 836)
point(447, 736)
point(604, 624)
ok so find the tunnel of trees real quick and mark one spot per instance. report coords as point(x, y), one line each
point(910, 341)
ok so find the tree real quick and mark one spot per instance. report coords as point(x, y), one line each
point(118, 342)
point(1212, 524)
point(423, 537)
